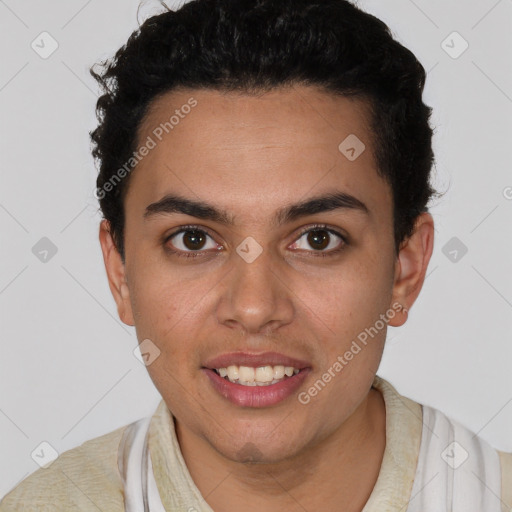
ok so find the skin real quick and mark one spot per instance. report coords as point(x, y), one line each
point(250, 156)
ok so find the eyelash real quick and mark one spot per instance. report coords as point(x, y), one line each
point(314, 227)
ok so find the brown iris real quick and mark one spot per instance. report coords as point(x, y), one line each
point(193, 240)
point(318, 238)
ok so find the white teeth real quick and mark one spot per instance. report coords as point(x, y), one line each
point(288, 371)
point(278, 372)
point(261, 376)
point(264, 374)
point(232, 373)
point(245, 374)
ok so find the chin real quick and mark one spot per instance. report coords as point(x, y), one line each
point(258, 451)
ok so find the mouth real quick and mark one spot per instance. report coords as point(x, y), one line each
point(256, 380)
point(261, 376)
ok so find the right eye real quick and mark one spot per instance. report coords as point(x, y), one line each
point(190, 239)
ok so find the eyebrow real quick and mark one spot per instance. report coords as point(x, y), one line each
point(171, 204)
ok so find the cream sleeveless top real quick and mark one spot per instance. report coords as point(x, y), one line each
point(456, 471)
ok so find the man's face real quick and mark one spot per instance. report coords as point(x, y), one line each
point(296, 290)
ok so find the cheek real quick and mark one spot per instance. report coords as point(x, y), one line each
point(351, 299)
point(171, 312)
point(161, 297)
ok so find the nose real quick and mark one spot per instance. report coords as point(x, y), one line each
point(256, 297)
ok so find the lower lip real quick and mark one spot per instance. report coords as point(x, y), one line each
point(256, 396)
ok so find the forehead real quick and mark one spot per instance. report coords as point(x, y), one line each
point(258, 150)
point(289, 113)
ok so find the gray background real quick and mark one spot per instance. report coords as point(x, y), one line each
point(68, 372)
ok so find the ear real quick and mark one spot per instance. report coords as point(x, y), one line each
point(411, 266)
point(116, 274)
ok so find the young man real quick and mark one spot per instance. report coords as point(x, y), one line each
point(264, 177)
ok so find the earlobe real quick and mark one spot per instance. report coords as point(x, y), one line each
point(411, 266)
point(116, 273)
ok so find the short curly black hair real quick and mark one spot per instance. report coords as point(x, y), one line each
point(260, 45)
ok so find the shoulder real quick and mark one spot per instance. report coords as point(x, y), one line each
point(506, 482)
point(410, 418)
point(478, 443)
point(83, 478)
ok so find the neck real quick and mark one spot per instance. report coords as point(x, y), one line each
point(338, 473)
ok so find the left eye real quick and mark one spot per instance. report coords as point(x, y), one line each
point(319, 239)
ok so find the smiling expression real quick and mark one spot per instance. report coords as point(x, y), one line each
point(253, 241)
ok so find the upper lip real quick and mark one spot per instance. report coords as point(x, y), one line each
point(254, 360)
